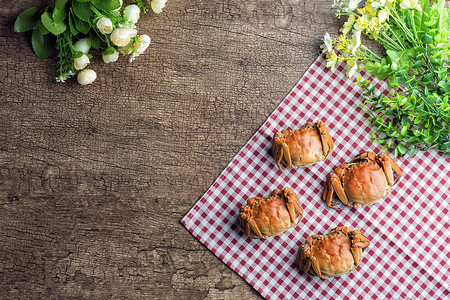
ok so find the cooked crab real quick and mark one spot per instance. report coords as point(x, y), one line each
point(304, 146)
point(334, 254)
point(365, 180)
point(270, 216)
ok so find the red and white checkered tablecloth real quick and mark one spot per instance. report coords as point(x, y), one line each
point(409, 230)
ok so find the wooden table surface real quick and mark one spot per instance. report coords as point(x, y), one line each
point(95, 179)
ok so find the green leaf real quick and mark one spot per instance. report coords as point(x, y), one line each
point(402, 149)
point(73, 28)
point(82, 26)
point(27, 20)
point(43, 45)
point(392, 81)
point(404, 130)
point(106, 4)
point(95, 41)
point(109, 50)
point(402, 58)
point(59, 4)
point(82, 10)
point(60, 15)
point(78, 54)
point(42, 28)
point(381, 72)
point(51, 25)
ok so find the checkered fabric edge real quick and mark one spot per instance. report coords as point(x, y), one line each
point(409, 230)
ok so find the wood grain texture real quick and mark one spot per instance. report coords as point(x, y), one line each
point(94, 179)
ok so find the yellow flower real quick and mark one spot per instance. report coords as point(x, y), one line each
point(331, 60)
point(361, 23)
point(348, 25)
point(342, 43)
point(367, 11)
point(353, 68)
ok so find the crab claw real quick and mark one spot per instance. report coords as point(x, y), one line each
point(278, 149)
point(359, 244)
point(248, 223)
point(293, 206)
point(388, 165)
point(327, 142)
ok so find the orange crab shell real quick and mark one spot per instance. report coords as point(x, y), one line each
point(365, 180)
point(302, 147)
point(265, 217)
point(332, 255)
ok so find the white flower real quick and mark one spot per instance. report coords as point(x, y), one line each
point(137, 47)
point(327, 43)
point(355, 42)
point(110, 58)
point(378, 4)
point(83, 45)
point(122, 36)
point(131, 13)
point(352, 5)
point(158, 5)
point(105, 25)
point(353, 68)
point(383, 15)
point(64, 76)
point(348, 25)
point(81, 62)
point(411, 4)
point(87, 76)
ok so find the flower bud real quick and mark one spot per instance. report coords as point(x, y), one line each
point(144, 42)
point(158, 5)
point(83, 45)
point(131, 13)
point(87, 76)
point(81, 62)
point(105, 25)
point(110, 58)
point(121, 36)
point(137, 46)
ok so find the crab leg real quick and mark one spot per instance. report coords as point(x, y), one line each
point(316, 267)
point(255, 228)
point(359, 243)
point(357, 255)
point(337, 186)
point(328, 192)
point(330, 145)
point(387, 168)
point(279, 149)
point(366, 155)
point(325, 138)
point(292, 205)
point(287, 155)
point(396, 169)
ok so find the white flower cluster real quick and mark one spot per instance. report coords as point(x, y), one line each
point(121, 38)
